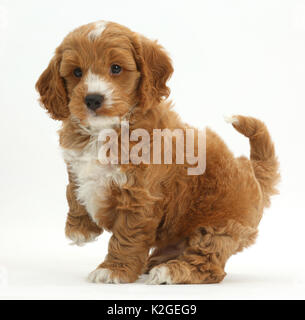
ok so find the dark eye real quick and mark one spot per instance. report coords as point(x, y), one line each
point(78, 72)
point(115, 69)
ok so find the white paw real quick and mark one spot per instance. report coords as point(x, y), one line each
point(159, 275)
point(230, 119)
point(80, 240)
point(102, 275)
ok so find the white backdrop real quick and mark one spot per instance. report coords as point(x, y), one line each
point(229, 57)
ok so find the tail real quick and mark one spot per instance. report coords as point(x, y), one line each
point(262, 154)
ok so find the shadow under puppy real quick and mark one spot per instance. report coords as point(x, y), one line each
point(103, 73)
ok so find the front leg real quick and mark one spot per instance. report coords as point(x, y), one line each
point(79, 226)
point(133, 236)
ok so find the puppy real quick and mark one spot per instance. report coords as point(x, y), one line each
point(177, 227)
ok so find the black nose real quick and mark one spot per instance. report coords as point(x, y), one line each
point(94, 101)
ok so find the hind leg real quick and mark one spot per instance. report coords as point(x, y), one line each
point(205, 255)
point(162, 255)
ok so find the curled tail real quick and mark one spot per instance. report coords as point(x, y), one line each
point(262, 154)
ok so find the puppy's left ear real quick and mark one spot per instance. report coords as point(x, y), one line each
point(53, 94)
point(156, 69)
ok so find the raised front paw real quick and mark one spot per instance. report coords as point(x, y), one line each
point(80, 239)
point(81, 230)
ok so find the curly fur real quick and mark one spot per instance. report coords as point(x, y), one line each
point(193, 223)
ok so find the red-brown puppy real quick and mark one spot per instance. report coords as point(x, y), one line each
point(104, 73)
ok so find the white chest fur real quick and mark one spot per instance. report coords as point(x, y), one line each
point(91, 177)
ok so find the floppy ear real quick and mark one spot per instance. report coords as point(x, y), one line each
point(51, 87)
point(156, 68)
